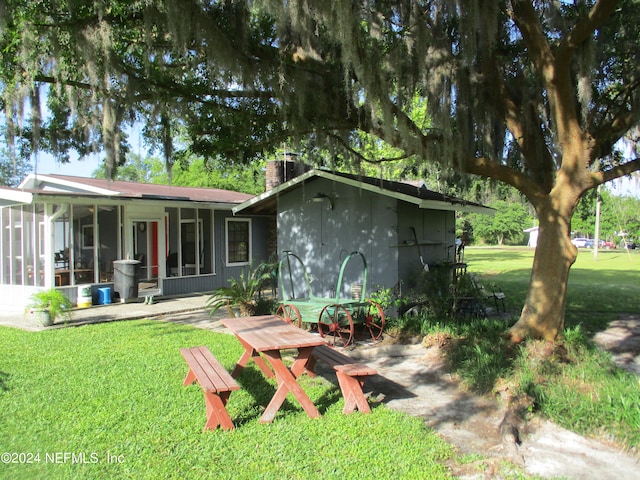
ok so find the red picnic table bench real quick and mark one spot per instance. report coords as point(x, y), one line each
point(350, 375)
point(216, 384)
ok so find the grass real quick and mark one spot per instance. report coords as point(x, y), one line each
point(572, 383)
point(598, 291)
point(112, 395)
point(107, 401)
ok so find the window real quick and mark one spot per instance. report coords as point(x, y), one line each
point(238, 241)
point(87, 236)
point(41, 239)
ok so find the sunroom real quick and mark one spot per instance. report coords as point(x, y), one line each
point(67, 232)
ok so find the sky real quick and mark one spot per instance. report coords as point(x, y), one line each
point(626, 186)
point(86, 167)
point(77, 168)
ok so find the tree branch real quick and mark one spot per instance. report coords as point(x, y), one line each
point(620, 123)
point(361, 156)
point(521, 120)
point(582, 30)
point(525, 17)
point(616, 172)
point(486, 167)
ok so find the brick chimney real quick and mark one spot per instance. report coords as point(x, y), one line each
point(278, 172)
point(281, 171)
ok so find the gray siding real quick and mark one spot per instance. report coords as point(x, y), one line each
point(259, 247)
point(376, 225)
point(323, 237)
point(190, 284)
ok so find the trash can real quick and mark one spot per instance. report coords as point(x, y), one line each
point(126, 274)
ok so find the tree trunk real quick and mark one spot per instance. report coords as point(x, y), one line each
point(543, 314)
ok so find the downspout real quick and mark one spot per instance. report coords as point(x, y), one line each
point(96, 245)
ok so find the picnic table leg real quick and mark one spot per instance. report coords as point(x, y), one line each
point(216, 412)
point(189, 379)
point(250, 353)
point(311, 366)
point(286, 383)
point(302, 361)
point(352, 391)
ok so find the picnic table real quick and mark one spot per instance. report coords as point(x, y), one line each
point(268, 335)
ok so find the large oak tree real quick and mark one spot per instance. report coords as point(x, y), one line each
point(536, 94)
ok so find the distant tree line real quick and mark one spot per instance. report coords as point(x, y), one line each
point(618, 214)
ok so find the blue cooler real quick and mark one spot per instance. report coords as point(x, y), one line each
point(104, 296)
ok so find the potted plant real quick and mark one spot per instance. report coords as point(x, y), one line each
point(49, 305)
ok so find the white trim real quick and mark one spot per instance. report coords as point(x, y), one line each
point(226, 241)
point(9, 198)
point(33, 181)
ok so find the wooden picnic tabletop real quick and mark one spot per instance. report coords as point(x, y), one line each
point(269, 332)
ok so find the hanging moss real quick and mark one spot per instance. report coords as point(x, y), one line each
point(244, 76)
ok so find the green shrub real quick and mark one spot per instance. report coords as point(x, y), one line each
point(243, 292)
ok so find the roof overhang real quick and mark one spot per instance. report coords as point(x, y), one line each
point(83, 198)
point(266, 203)
point(9, 198)
point(457, 207)
point(54, 184)
point(55, 189)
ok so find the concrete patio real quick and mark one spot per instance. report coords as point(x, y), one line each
point(190, 309)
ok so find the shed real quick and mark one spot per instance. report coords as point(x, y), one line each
point(400, 227)
point(533, 236)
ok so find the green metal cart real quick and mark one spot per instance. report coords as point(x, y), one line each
point(337, 319)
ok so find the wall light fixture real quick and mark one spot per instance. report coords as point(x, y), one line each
point(321, 197)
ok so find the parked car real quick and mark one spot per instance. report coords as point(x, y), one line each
point(629, 245)
point(582, 242)
point(606, 244)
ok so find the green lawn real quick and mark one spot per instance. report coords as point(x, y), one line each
point(599, 291)
point(110, 398)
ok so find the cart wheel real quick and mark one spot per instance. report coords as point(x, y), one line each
point(374, 320)
point(290, 314)
point(335, 323)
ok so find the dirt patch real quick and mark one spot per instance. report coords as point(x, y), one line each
point(415, 379)
point(622, 340)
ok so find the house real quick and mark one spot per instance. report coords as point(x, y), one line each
point(401, 228)
point(66, 232)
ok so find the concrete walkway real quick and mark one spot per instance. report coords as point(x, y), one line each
point(191, 309)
